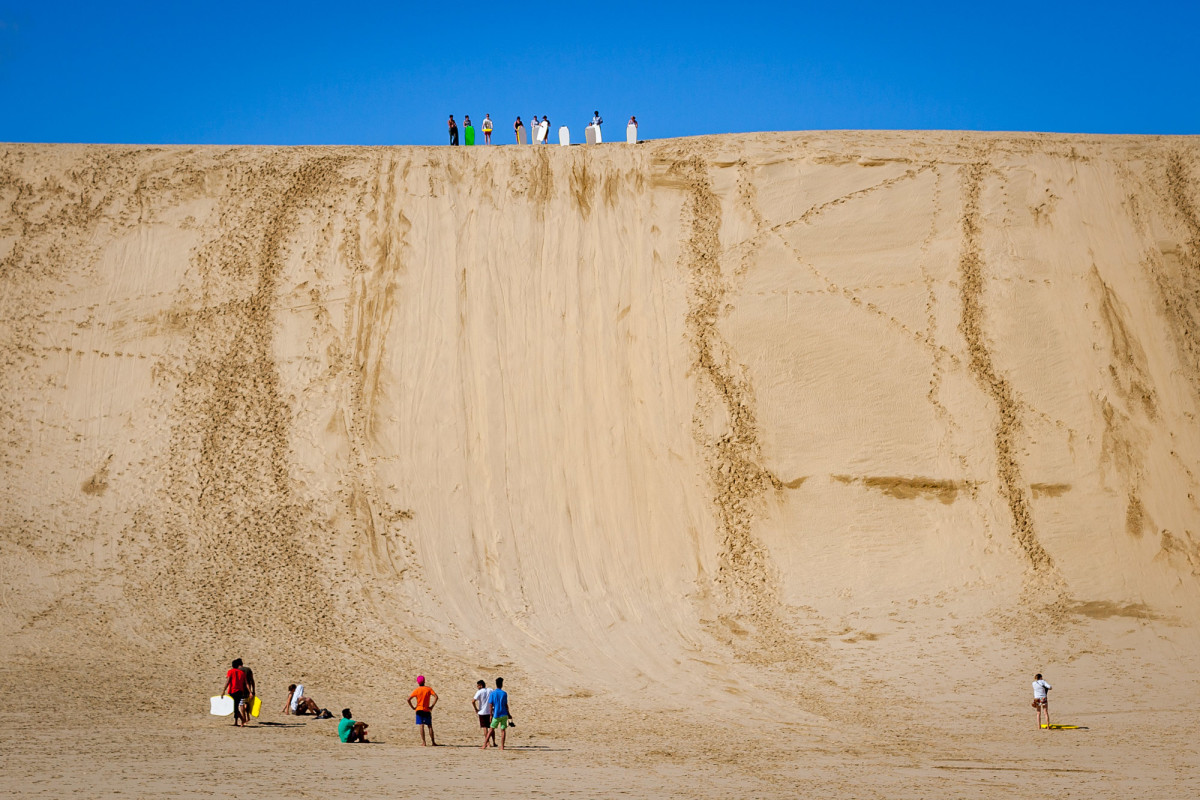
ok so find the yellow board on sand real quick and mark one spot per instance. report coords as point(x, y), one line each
point(255, 706)
point(1065, 727)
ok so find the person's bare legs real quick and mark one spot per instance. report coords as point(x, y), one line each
point(432, 740)
point(423, 743)
point(486, 734)
point(503, 733)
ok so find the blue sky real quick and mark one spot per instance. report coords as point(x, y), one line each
point(390, 73)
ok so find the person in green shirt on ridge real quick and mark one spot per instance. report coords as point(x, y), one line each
point(351, 731)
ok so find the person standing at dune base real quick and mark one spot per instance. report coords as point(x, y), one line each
point(235, 687)
point(501, 721)
point(1041, 700)
point(482, 703)
point(422, 700)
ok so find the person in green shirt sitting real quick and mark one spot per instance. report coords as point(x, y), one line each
point(351, 731)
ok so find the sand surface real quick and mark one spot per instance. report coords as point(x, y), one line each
point(764, 465)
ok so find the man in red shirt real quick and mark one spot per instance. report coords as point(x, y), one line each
point(422, 700)
point(235, 687)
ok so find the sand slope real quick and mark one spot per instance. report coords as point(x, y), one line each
point(805, 429)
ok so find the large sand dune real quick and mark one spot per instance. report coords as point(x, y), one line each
point(812, 446)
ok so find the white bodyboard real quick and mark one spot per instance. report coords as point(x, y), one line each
point(543, 131)
point(564, 136)
point(589, 134)
point(631, 134)
point(220, 706)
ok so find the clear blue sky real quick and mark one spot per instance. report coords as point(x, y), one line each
point(359, 72)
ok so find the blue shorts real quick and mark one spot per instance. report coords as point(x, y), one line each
point(425, 718)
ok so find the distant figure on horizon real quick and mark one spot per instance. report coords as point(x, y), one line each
point(596, 119)
point(487, 128)
point(453, 131)
point(500, 716)
point(546, 129)
point(518, 126)
point(1040, 699)
point(296, 703)
point(235, 687)
point(534, 127)
point(422, 700)
point(482, 703)
point(351, 731)
point(633, 121)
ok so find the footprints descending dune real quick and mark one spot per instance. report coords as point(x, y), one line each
point(997, 386)
point(726, 424)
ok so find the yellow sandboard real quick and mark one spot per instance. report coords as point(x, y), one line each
point(255, 706)
point(1065, 727)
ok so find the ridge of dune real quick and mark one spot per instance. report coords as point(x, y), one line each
point(767, 419)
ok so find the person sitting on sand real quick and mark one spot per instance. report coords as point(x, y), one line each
point(351, 731)
point(297, 703)
point(1041, 700)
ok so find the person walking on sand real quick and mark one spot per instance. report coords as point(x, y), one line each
point(235, 687)
point(487, 128)
point(501, 720)
point(453, 131)
point(351, 731)
point(482, 703)
point(1040, 699)
point(422, 700)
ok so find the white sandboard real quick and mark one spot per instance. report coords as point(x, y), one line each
point(631, 134)
point(589, 134)
point(543, 131)
point(521, 135)
point(220, 706)
point(599, 138)
point(564, 135)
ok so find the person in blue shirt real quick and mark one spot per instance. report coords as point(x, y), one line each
point(351, 731)
point(501, 717)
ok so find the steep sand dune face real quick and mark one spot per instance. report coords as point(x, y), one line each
point(733, 412)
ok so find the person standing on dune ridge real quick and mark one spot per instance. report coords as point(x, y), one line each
point(1041, 700)
point(487, 128)
point(453, 131)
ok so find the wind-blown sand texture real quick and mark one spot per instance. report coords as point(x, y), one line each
point(759, 465)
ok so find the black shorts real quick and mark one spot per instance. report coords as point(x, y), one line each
point(238, 697)
point(485, 720)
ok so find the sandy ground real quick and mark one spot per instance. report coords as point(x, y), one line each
point(763, 465)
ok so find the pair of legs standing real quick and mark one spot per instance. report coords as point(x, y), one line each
point(425, 720)
point(1042, 704)
point(498, 724)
